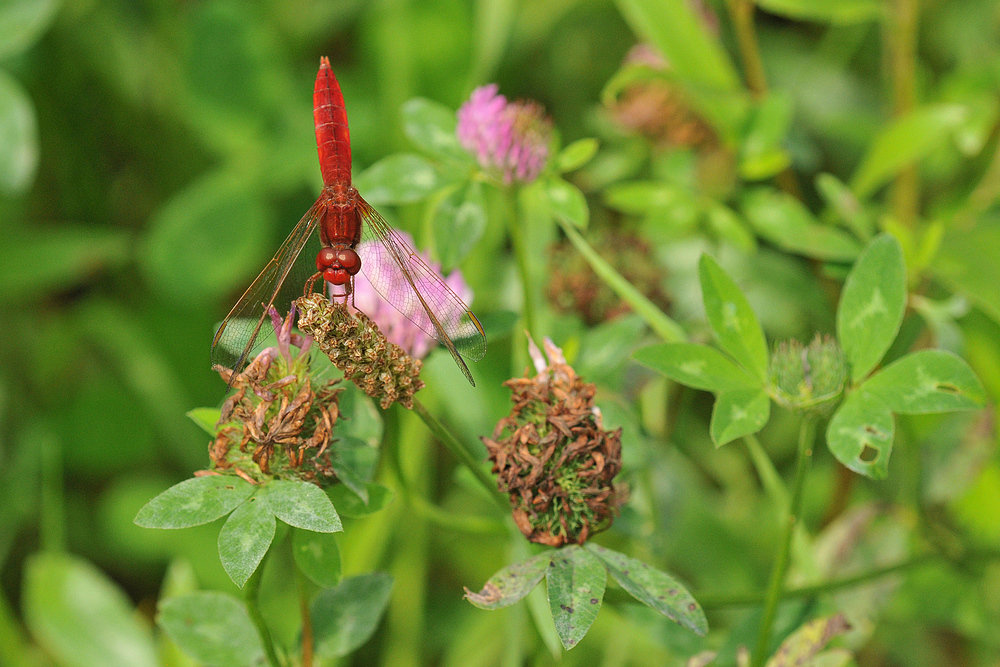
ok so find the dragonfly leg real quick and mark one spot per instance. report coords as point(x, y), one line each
point(309, 284)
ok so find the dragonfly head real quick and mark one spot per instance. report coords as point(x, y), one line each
point(338, 265)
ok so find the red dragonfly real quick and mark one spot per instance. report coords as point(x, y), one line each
point(352, 237)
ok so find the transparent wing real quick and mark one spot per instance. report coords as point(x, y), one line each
point(281, 282)
point(404, 280)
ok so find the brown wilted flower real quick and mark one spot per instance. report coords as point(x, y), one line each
point(656, 108)
point(552, 456)
point(277, 425)
point(356, 346)
point(573, 285)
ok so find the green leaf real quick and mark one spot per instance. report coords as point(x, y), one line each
point(681, 36)
point(512, 583)
point(352, 506)
point(739, 412)
point(860, 434)
point(245, 539)
point(213, 628)
point(734, 322)
point(22, 22)
point(837, 12)
point(568, 203)
point(928, 381)
point(80, 617)
point(18, 135)
point(657, 590)
point(803, 645)
point(73, 253)
point(318, 556)
point(207, 239)
point(728, 226)
point(431, 127)
point(697, 366)
point(784, 221)
point(576, 155)
point(839, 197)
point(302, 505)
point(459, 222)
point(206, 418)
point(575, 583)
point(354, 462)
point(194, 502)
point(905, 141)
point(967, 266)
point(638, 197)
point(346, 616)
point(402, 178)
point(871, 305)
point(761, 152)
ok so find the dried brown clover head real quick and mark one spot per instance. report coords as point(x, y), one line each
point(552, 456)
point(277, 425)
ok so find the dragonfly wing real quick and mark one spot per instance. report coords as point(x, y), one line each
point(281, 282)
point(413, 288)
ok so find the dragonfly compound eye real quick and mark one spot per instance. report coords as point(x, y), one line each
point(325, 258)
point(349, 259)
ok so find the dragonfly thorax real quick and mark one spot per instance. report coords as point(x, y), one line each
point(338, 264)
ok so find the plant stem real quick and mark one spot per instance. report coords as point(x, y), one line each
point(461, 452)
point(901, 35)
point(769, 477)
point(520, 245)
point(807, 435)
point(307, 630)
point(720, 601)
point(664, 327)
point(250, 591)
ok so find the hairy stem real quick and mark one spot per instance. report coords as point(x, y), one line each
point(250, 592)
point(807, 434)
point(460, 452)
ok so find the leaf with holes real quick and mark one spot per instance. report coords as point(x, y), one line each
point(512, 583)
point(928, 381)
point(871, 305)
point(657, 590)
point(575, 582)
point(860, 434)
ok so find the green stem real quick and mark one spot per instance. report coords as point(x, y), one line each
point(524, 269)
point(446, 519)
point(741, 13)
point(901, 35)
point(250, 591)
point(722, 601)
point(664, 327)
point(984, 194)
point(307, 630)
point(807, 435)
point(769, 477)
point(460, 452)
point(53, 497)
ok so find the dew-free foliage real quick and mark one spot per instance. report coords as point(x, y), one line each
point(928, 381)
point(211, 627)
point(575, 582)
point(402, 178)
point(431, 127)
point(245, 539)
point(318, 556)
point(739, 412)
point(734, 322)
point(871, 305)
point(300, 504)
point(697, 366)
point(81, 617)
point(512, 583)
point(349, 504)
point(654, 589)
point(345, 617)
point(194, 502)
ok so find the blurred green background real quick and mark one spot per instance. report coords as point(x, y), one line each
point(154, 154)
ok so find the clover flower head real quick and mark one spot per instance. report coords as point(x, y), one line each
point(511, 138)
point(553, 457)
